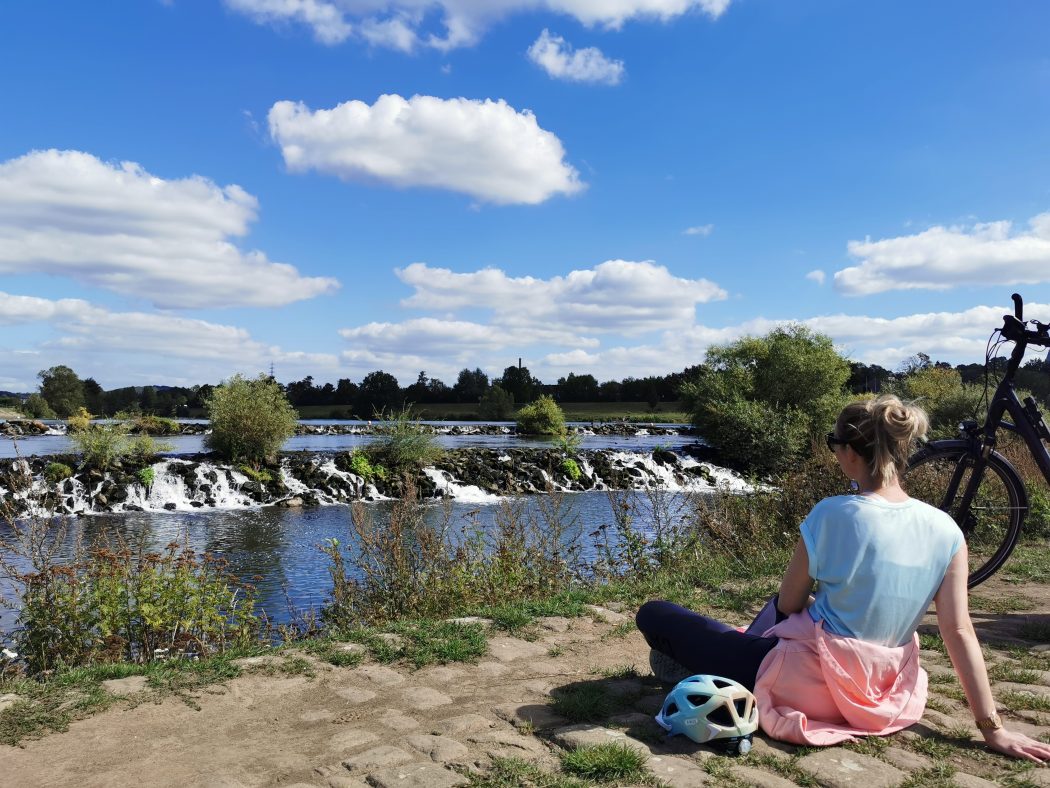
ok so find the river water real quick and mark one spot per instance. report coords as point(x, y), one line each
point(279, 548)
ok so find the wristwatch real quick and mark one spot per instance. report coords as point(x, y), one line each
point(991, 723)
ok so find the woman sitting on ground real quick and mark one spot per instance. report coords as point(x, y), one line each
point(843, 661)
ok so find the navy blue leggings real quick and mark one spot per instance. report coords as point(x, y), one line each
point(703, 645)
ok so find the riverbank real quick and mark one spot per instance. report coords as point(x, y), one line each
point(509, 716)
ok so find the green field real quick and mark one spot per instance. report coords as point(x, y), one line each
point(574, 411)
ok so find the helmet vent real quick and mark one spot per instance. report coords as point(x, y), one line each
point(721, 716)
point(672, 708)
point(698, 700)
point(741, 707)
point(721, 683)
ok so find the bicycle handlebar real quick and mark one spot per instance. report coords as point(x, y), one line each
point(1014, 326)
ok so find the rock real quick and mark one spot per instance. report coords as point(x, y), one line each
point(839, 768)
point(8, 700)
point(126, 686)
point(678, 772)
point(385, 755)
point(425, 775)
point(440, 749)
point(572, 737)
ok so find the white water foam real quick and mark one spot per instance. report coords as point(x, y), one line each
point(448, 485)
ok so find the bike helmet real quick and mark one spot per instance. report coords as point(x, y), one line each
point(711, 709)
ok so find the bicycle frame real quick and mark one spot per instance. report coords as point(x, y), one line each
point(983, 440)
point(1006, 401)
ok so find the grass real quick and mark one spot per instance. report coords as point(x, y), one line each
point(787, 768)
point(1008, 671)
point(420, 643)
point(606, 762)
point(584, 702)
point(1001, 605)
point(515, 773)
point(940, 776)
point(1027, 701)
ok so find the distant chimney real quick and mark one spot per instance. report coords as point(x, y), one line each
point(519, 362)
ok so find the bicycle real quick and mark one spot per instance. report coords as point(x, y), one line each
point(969, 479)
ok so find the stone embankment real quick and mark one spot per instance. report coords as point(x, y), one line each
point(291, 720)
point(305, 479)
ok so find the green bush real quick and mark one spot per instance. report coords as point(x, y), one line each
point(761, 401)
point(260, 475)
point(57, 471)
point(250, 419)
point(36, 407)
point(363, 467)
point(402, 444)
point(942, 394)
point(146, 476)
point(101, 445)
point(79, 421)
point(542, 417)
point(153, 425)
point(571, 468)
point(119, 604)
point(104, 445)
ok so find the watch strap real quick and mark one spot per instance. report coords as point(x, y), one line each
point(991, 723)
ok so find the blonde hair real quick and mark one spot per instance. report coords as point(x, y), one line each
point(883, 431)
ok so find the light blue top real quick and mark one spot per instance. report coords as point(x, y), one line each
point(877, 564)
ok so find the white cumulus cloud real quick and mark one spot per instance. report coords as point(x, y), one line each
point(141, 344)
point(817, 276)
point(615, 296)
point(486, 149)
point(556, 56)
point(447, 24)
point(940, 258)
point(116, 226)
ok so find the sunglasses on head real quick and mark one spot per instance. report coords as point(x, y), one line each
point(833, 440)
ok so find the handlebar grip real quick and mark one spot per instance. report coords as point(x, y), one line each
point(1018, 306)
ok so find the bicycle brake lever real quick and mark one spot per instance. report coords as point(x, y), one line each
point(1018, 306)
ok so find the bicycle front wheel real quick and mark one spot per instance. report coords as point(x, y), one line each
point(940, 475)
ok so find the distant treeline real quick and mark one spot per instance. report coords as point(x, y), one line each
point(62, 391)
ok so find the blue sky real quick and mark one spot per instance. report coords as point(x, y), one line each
point(193, 189)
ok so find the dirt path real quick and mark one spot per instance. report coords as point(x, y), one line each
point(384, 726)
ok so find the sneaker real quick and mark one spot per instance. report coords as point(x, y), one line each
point(666, 669)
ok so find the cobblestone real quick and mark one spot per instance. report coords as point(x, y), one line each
point(759, 778)
point(584, 735)
point(421, 775)
point(385, 755)
point(835, 767)
point(678, 772)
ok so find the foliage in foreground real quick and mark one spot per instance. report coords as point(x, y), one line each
point(116, 603)
point(250, 419)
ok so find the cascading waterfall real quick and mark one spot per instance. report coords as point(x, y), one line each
point(476, 475)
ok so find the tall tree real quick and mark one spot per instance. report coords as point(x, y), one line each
point(578, 388)
point(379, 391)
point(470, 385)
point(62, 389)
point(519, 383)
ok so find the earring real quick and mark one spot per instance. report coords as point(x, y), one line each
point(853, 486)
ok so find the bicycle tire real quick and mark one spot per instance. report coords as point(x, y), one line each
point(992, 524)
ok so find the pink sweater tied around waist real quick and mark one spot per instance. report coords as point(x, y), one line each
point(816, 688)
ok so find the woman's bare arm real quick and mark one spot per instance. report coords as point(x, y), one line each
point(953, 620)
point(796, 585)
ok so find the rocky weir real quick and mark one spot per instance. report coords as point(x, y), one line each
point(308, 479)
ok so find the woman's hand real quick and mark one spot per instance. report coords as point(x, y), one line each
point(1017, 745)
